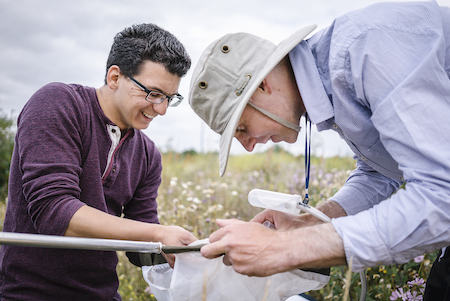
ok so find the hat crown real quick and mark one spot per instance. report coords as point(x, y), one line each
point(226, 68)
point(228, 73)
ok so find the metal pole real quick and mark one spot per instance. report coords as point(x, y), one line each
point(65, 242)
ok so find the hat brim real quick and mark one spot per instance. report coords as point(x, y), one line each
point(279, 53)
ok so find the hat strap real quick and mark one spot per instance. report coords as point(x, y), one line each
point(278, 119)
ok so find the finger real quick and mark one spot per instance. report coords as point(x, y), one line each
point(170, 258)
point(260, 217)
point(222, 223)
point(225, 222)
point(226, 260)
point(216, 235)
point(213, 250)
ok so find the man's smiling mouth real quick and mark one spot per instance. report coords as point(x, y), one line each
point(147, 115)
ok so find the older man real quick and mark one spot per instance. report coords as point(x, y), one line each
point(380, 78)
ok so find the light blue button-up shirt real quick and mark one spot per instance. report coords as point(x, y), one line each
point(380, 77)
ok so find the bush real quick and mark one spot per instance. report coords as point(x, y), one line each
point(7, 126)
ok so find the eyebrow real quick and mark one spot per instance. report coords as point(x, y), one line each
point(159, 90)
point(153, 88)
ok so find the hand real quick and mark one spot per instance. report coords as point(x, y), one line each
point(175, 236)
point(250, 247)
point(255, 250)
point(283, 221)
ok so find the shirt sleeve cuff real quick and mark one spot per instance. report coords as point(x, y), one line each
point(363, 246)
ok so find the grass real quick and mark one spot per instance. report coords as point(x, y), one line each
point(192, 195)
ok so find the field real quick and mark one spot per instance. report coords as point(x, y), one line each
point(192, 195)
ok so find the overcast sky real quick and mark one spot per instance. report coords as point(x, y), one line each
point(68, 41)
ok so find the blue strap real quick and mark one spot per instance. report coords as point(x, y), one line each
point(307, 157)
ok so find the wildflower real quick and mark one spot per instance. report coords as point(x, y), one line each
point(413, 296)
point(234, 193)
point(148, 290)
point(295, 178)
point(398, 293)
point(173, 181)
point(208, 191)
point(417, 281)
point(419, 258)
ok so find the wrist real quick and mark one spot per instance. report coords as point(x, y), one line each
point(317, 246)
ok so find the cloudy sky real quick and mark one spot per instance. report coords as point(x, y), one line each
point(68, 41)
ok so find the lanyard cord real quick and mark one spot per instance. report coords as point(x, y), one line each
point(307, 158)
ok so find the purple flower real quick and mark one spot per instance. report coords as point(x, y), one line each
point(413, 296)
point(418, 281)
point(419, 258)
point(398, 293)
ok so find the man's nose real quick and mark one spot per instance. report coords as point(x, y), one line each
point(247, 142)
point(160, 108)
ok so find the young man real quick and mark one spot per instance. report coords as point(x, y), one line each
point(380, 78)
point(80, 162)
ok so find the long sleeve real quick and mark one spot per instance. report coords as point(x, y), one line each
point(48, 146)
point(400, 75)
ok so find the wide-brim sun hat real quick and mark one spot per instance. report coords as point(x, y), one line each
point(226, 76)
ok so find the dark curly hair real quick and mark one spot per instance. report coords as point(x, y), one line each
point(140, 42)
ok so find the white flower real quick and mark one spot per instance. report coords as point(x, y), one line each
point(173, 181)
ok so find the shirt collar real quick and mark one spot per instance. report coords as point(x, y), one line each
point(312, 91)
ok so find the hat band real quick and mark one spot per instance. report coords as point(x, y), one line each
point(278, 119)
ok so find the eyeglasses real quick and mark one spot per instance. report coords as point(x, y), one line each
point(158, 97)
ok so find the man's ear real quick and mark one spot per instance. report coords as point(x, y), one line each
point(112, 77)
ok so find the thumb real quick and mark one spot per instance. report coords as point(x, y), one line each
point(225, 222)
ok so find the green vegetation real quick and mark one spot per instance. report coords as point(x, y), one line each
point(192, 195)
point(6, 147)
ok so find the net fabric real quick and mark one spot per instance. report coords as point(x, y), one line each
point(197, 278)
